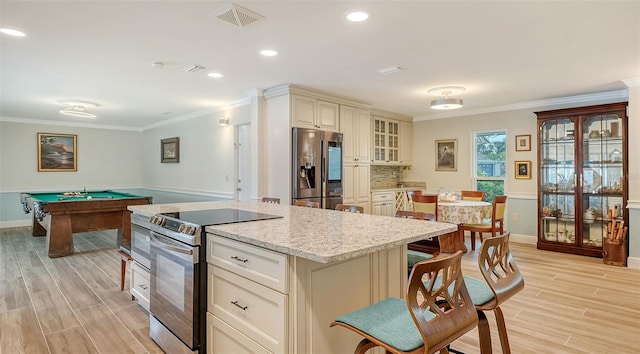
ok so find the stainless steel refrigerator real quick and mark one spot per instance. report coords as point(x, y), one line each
point(317, 167)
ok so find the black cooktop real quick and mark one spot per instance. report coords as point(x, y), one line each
point(219, 216)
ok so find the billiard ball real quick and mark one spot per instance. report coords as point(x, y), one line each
point(89, 197)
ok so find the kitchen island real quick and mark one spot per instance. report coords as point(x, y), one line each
point(276, 285)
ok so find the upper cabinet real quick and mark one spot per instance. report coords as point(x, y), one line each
point(582, 159)
point(389, 141)
point(355, 125)
point(309, 112)
point(406, 143)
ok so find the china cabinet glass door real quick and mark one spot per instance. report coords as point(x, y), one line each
point(558, 180)
point(602, 175)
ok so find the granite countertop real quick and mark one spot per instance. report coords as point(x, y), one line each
point(319, 235)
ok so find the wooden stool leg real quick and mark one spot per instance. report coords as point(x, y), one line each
point(502, 330)
point(123, 271)
point(484, 333)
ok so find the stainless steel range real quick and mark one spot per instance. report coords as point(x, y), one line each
point(177, 260)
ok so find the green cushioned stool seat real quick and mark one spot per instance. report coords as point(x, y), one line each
point(389, 321)
point(479, 290)
point(414, 257)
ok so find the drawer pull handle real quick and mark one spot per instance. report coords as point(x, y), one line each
point(240, 259)
point(244, 308)
point(144, 287)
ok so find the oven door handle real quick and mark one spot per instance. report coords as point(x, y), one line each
point(188, 252)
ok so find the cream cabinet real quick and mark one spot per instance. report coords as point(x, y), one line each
point(383, 203)
point(406, 143)
point(386, 140)
point(356, 185)
point(309, 112)
point(355, 125)
point(262, 301)
point(247, 302)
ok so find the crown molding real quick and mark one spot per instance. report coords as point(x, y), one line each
point(68, 124)
point(632, 82)
point(579, 99)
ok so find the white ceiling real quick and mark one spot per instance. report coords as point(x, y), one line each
point(504, 53)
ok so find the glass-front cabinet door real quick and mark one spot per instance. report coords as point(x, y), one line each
point(558, 180)
point(582, 179)
point(602, 175)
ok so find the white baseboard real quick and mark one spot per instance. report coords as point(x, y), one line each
point(15, 223)
point(633, 262)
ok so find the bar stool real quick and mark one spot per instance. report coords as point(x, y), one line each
point(270, 200)
point(428, 320)
point(124, 259)
point(306, 203)
point(414, 257)
point(502, 280)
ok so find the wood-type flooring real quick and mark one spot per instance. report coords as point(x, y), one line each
point(73, 304)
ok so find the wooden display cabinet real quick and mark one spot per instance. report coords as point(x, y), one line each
point(582, 173)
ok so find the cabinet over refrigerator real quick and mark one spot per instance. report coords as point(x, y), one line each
point(317, 167)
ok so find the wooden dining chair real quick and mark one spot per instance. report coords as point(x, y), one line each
point(426, 204)
point(410, 194)
point(307, 203)
point(270, 200)
point(408, 214)
point(472, 195)
point(428, 320)
point(350, 208)
point(495, 226)
point(502, 280)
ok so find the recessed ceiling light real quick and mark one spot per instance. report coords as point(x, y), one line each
point(268, 52)
point(12, 32)
point(357, 16)
point(216, 75)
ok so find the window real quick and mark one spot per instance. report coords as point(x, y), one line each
point(490, 163)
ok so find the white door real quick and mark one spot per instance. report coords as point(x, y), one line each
point(243, 161)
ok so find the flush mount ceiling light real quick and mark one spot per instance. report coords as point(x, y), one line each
point(78, 108)
point(446, 102)
point(357, 16)
point(215, 75)
point(12, 32)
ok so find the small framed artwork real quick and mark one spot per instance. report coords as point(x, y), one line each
point(57, 152)
point(523, 169)
point(447, 155)
point(523, 142)
point(170, 150)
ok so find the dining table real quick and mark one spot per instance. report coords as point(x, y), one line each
point(461, 212)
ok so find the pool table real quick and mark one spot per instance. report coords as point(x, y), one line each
point(58, 215)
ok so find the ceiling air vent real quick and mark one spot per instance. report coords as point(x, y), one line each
point(194, 69)
point(237, 15)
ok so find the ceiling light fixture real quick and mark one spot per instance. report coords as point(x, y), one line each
point(78, 108)
point(78, 111)
point(446, 102)
point(357, 16)
point(215, 75)
point(268, 52)
point(12, 32)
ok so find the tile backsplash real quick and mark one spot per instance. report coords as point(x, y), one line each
point(389, 177)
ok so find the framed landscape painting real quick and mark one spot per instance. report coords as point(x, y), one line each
point(446, 155)
point(57, 152)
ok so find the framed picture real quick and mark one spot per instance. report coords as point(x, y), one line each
point(523, 169)
point(57, 152)
point(446, 155)
point(523, 142)
point(170, 150)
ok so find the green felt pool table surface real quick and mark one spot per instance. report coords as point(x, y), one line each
point(95, 195)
